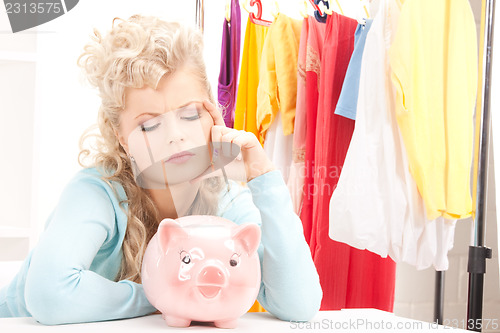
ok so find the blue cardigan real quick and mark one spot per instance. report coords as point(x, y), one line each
point(68, 277)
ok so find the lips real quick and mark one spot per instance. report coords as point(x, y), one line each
point(209, 291)
point(179, 158)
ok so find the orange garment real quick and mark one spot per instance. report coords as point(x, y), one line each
point(246, 101)
point(277, 91)
point(256, 307)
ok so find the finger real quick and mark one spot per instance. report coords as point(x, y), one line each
point(228, 141)
point(219, 131)
point(236, 150)
point(217, 137)
point(245, 140)
point(214, 112)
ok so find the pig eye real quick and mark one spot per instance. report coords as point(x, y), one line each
point(185, 257)
point(235, 260)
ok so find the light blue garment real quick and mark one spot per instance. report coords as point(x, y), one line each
point(68, 277)
point(348, 100)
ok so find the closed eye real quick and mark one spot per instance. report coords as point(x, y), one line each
point(191, 111)
point(197, 116)
point(149, 128)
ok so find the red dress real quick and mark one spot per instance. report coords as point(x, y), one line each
point(350, 278)
point(315, 38)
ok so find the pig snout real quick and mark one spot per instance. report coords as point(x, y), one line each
point(212, 275)
point(210, 281)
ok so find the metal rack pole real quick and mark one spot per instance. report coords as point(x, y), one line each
point(439, 297)
point(478, 253)
point(200, 14)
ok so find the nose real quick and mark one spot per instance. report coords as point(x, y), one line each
point(175, 136)
point(212, 275)
point(173, 131)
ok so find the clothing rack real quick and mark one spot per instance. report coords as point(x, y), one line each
point(200, 14)
point(478, 253)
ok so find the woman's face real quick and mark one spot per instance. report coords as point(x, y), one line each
point(166, 131)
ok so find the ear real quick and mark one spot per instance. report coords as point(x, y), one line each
point(248, 236)
point(168, 233)
point(120, 138)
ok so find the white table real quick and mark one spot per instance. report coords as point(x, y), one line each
point(355, 320)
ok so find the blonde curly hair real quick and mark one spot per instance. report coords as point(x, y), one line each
point(137, 52)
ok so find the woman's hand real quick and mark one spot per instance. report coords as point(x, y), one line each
point(254, 157)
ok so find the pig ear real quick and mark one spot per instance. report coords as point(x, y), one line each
point(248, 236)
point(168, 232)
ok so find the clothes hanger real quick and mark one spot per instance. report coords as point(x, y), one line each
point(340, 7)
point(362, 18)
point(276, 9)
point(316, 7)
point(303, 9)
point(367, 13)
point(253, 18)
point(320, 17)
point(228, 11)
point(328, 10)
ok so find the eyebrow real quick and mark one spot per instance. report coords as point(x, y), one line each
point(148, 114)
point(178, 108)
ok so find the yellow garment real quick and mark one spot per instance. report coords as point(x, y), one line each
point(479, 104)
point(278, 75)
point(434, 71)
point(246, 101)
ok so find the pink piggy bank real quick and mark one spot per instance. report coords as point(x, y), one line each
point(202, 268)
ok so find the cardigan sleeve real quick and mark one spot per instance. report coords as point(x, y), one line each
point(60, 288)
point(290, 287)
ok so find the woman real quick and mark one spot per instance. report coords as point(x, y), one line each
point(157, 111)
